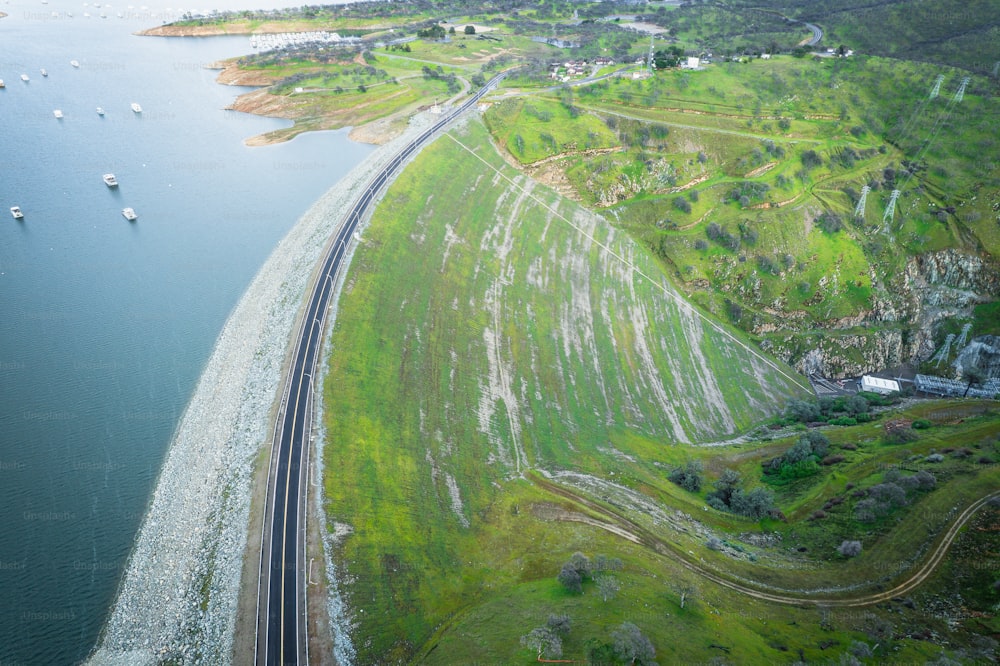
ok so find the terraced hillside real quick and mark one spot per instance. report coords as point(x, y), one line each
point(490, 328)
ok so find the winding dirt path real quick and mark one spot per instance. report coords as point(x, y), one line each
point(634, 532)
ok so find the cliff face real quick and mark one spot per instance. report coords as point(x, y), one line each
point(900, 325)
point(982, 353)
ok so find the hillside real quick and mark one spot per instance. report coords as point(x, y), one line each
point(512, 380)
point(745, 179)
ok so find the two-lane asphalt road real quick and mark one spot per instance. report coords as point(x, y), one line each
point(281, 630)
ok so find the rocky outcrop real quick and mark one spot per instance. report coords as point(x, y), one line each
point(982, 353)
point(900, 325)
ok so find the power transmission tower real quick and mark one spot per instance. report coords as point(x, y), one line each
point(942, 354)
point(937, 86)
point(961, 90)
point(859, 210)
point(963, 336)
point(890, 209)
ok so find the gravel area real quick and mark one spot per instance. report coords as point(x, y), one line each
point(177, 600)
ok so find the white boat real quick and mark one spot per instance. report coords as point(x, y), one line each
point(110, 180)
point(129, 214)
point(44, 73)
point(2, 84)
point(16, 212)
point(24, 77)
point(100, 110)
point(75, 63)
point(57, 113)
point(136, 107)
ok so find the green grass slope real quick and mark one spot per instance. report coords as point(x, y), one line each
point(489, 328)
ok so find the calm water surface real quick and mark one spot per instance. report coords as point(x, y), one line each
point(105, 325)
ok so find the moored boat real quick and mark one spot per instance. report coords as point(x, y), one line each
point(24, 77)
point(129, 214)
point(110, 180)
point(57, 113)
point(136, 107)
point(16, 212)
point(100, 110)
point(44, 72)
point(75, 63)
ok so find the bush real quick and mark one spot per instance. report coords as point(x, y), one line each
point(833, 460)
point(921, 424)
point(843, 421)
point(811, 159)
point(849, 548)
point(688, 477)
point(682, 204)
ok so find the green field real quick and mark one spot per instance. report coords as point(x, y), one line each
point(506, 368)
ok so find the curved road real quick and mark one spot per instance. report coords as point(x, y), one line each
point(797, 598)
point(281, 627)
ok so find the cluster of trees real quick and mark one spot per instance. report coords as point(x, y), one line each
point(747, 192)
point(688, 477)
point(670, 57)
point(727, 495)
point(432, 32)
point(843, 410)
point(801, 459)
point(722, 236)
point(580, 568)
point(438, 74)
point(628, 646)
point(894, 491)
point(547, 639)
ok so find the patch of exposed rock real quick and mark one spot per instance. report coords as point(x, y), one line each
point(900, 325)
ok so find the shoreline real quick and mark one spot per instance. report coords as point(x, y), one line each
point(179, 596)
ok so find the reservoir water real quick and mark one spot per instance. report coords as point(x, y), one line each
point(105, 325)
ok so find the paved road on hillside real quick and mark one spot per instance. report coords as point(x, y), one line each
point(281, 626)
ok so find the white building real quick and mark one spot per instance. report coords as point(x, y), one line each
point(879, 385)
point(692, 63)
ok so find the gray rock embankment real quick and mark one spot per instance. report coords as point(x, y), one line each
point(178, 598)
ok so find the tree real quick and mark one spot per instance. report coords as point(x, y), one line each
point(849, 548)
point(631, 646)
point(570, 578)
point(973, 375)
point(686, 592)
point(544, 641)
point(688, 477)
point(560, 624)
point(470, 29)
point(451, 30)
point(608, 586)
point(811, 159)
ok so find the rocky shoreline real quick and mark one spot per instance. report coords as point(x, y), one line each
point(178, 598)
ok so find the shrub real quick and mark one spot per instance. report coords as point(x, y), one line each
point(849, 548)
point(701, 244)
point(713, 543)
point(688, 477)
point(843, 421)
point(934, 458)
point(921, 424)
point(901, 436)
point(682, 204)
point(811, 159)
point(833, 460)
